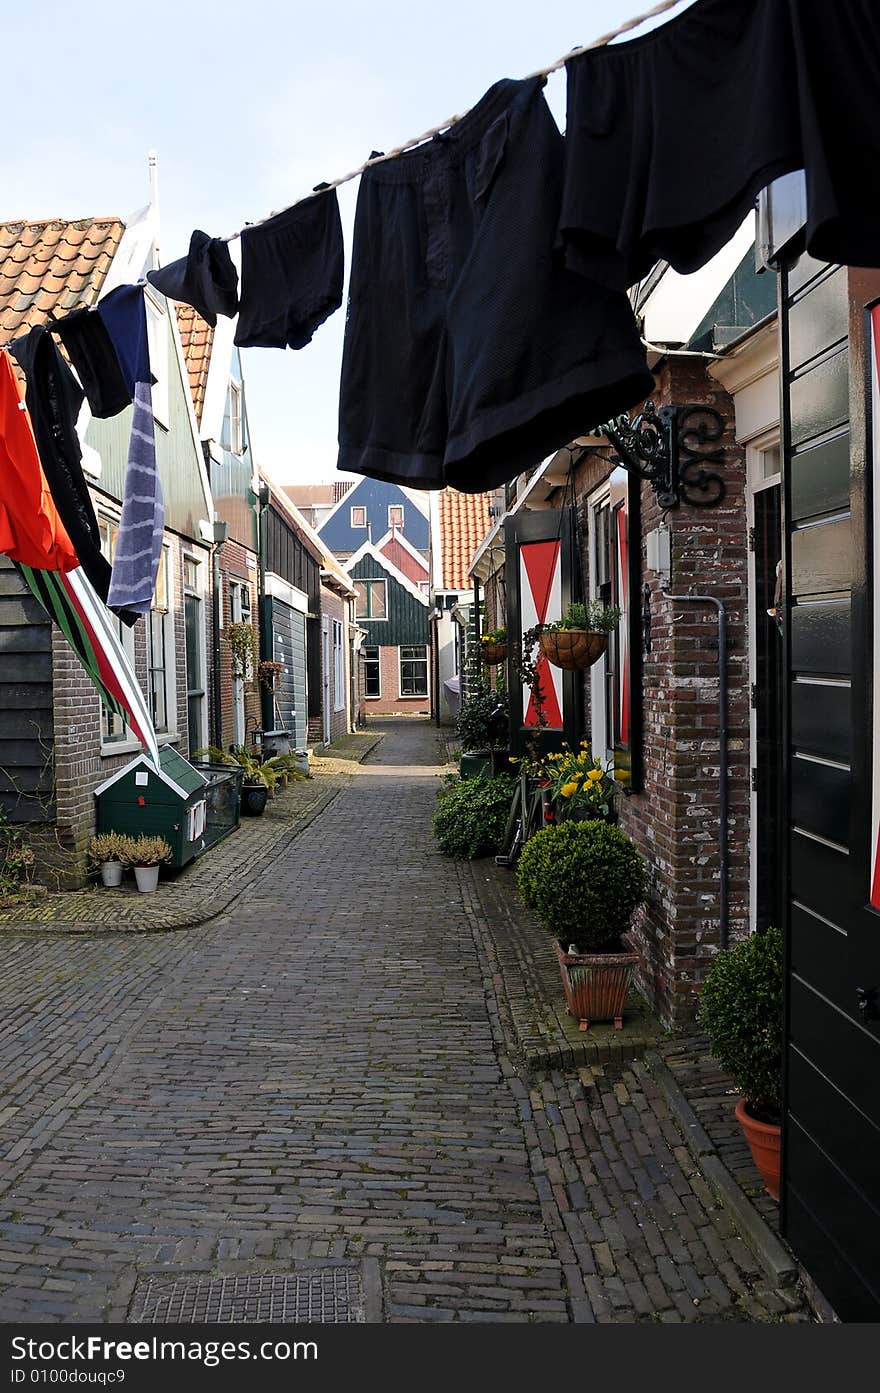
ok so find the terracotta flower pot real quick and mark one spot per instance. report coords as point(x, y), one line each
point(573, 649)
point(494, 653)
point(764, 1139)
point(596, 985)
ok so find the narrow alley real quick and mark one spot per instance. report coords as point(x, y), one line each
point(320, 1076)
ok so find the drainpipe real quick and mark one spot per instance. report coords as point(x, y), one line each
point(723, 793)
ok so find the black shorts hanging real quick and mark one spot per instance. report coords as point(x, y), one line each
point(670, 137)
point(291, 274)
point(470, 351)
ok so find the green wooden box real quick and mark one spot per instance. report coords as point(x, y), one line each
point(189, 807)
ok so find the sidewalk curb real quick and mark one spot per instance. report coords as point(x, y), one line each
point(779, 1264)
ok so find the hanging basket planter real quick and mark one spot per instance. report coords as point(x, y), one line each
point(494, 653)
point(573, 649)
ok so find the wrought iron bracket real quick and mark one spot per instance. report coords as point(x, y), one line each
point(672, 448)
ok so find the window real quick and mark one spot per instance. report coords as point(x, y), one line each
point(114, 730)
point(157, 340)
point(371, 599)
point(372, 675)
point(236, 437)
point(395, 515)
point(194, 626)
point(358, 517)
point(160, 650)
point(338, 668)
point(413, 672)
point(239, 602)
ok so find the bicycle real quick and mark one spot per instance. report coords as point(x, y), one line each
point(531, 809)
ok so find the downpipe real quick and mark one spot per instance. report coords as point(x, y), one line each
point(723, 778)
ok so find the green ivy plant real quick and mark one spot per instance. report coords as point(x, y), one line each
point(471, 816)
point(584, 880)
point(740, 1009)
point(483, 723)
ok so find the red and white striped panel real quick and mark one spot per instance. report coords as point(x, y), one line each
point(875, 464)
point(540, 590)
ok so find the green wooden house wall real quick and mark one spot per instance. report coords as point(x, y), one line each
point(407, 620)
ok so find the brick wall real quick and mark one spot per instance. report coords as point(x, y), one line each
point(334, 607)
point(675, 820)
point(391, 703)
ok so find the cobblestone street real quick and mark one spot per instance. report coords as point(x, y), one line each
point(323, 1073)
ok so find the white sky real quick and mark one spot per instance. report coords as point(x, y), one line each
point(250, 105)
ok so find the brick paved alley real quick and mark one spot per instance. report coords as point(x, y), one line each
point(320, 1074)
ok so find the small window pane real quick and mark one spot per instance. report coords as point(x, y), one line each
point(372, 677)
point(377, 599)
point(358, 517)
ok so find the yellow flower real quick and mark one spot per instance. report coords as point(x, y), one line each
point(513, 759)
point(594, 775)
point(568, 789)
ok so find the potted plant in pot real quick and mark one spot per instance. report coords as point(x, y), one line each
point(580, 637)
point(104, 853)
point(483, 727)
point(580, 787)
point(493, 646)
point(145, 854)
point(584, 880)
point(740, 1010)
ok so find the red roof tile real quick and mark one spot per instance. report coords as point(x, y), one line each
point(52, 266)
point(464, 522)
point(197, 340)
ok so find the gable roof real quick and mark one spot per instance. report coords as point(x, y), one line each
point(52, 266)
point(351, 487)
point(386, 564)
point(395, 546)
point(463, 520)
point(312, 542)
point(197, 341)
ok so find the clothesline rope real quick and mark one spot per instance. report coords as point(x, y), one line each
point(453, 120)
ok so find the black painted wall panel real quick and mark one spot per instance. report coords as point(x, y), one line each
point(820, 399)
point(820, 798)
point(823, 1033)
point(819, 953)
point(820, 638)
point(821, 558)
point(820, 478)
point(821, 720)
point(818, 875)
point(850, 1140)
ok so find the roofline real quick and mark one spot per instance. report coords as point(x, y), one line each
point(393, 535)
point(369, 549)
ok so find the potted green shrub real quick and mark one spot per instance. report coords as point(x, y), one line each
point(493, 646)
point(472, 814)
point(104, 854)
point(145, 854)
point(740, 1009)
point(580, 637)
point(483, 727)
point(584, 880)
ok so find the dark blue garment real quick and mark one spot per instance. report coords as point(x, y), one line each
point(125, 316)
point(205, 278)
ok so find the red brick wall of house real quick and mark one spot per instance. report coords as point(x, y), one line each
point(391, 703)
point(234, 566)
point(675, 820)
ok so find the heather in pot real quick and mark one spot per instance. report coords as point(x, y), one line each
point(584, 880)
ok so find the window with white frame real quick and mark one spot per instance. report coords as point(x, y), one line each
point(371, 599)
point(338, 668)
point(395, 516)
point(114, 730)
point(160, 650)
point(358, 517)
point(157, 339)
point(372, 671)
point(413, 671)
point(236, 432)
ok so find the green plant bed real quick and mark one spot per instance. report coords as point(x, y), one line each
point(471, 816)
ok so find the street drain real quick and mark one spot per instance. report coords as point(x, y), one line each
point(341, 1294)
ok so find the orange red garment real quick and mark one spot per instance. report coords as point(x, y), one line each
point(31, 530)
